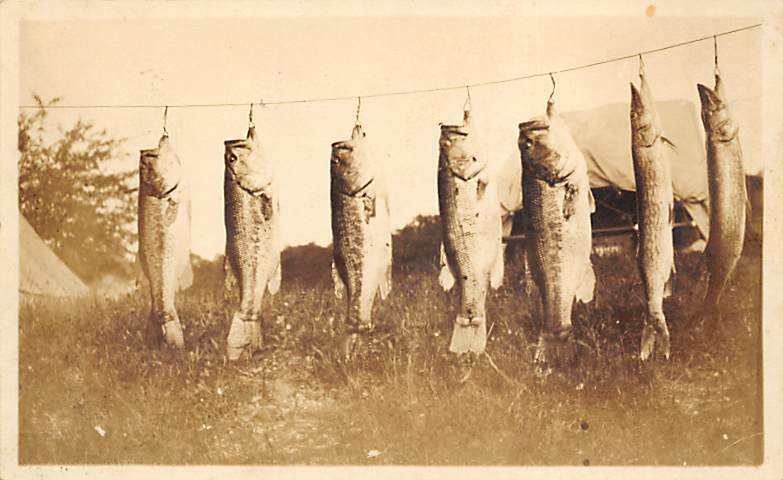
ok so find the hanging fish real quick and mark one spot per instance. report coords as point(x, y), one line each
point(557, 206)
point(728, 195)
point(361, 232)
point(471, 254)
point(164, 249)
point(655, 212)
point(252, 237)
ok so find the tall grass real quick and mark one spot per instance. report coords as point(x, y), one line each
point(405, 399)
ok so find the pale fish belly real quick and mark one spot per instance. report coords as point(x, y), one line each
point(253, 252)
point(362, 250)
point(654, 203)
point(158, 258)
point(728, 211)
point(472, 246)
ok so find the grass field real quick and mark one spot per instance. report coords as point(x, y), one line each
point(84, 365)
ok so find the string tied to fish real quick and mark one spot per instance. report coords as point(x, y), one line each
point(468, 105)
point(358, 122)
point(641, 65)
point(250, 123)
point(551, 99)
point(165, 120)
point(715, 49)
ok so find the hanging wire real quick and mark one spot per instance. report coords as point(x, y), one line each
point(641, 65)
point(468, 106)
point(416, 91)
point(358, 110)
point(250, 123)
point(165, 121)
point(715, 49)
point(554, 86)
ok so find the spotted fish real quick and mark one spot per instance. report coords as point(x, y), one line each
point(471, 254)
point(361, 232)
point(728, 194)
point(557, 206)
point(164, 248)
point(655, 207)
point(252, 237)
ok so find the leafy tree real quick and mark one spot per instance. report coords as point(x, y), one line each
point(80, 206)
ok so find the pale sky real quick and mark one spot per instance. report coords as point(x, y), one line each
point(168, 61)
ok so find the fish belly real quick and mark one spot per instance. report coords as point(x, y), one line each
point(251, 245)
point(157, 251)
point(654, 202)
point(558, 248)
point(471, 239)
point(362, 243)
point(728, 207)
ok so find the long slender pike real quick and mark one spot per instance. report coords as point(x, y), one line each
point(470, 217)
point(557, 205)
point(361, 232)
point(252, 237)
point(728, 194)
point(655, 207)
point(162, 206)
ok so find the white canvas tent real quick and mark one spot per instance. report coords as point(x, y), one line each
point(604, 135)
point(41, 272)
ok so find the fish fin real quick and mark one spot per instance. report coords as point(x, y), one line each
point(667, 288)
point(339, 287)
point(569, 200)
point(469, 338)
point(273, 285)
point(481, 188)
point(591, 200)
point(229, 280)
point(585, 291)
point(498, 268)
point(446, 278)
point(369, 207)
point(386, 283)
point(185, 277)
point(669, 142)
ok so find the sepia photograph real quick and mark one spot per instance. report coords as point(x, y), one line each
point(265, 235)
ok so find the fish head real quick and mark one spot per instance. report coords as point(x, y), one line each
point(350, 167)
point(715, 113)
point(248, 165)
point(644, 119)
point(459, 150)
point(160, 170)
point(543, 145)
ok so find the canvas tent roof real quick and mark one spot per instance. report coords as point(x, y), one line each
point(41, 272)
point(604, 135)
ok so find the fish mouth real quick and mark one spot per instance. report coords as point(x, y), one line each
point(343, 145)
point(238, 142)
point(358, 191)
point(263, 190)
point(460, 130)
point(257, 192)
point(708, 96)
point(462, 176)
point(532, 125)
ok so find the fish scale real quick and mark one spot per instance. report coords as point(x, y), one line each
point(251, 215)
point(557, 206)
point(471, 252)
point(160, 197)
point(655, 206)
point(728, 194)
point(361, 231)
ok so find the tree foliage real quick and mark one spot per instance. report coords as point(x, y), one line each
point(80, 206)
